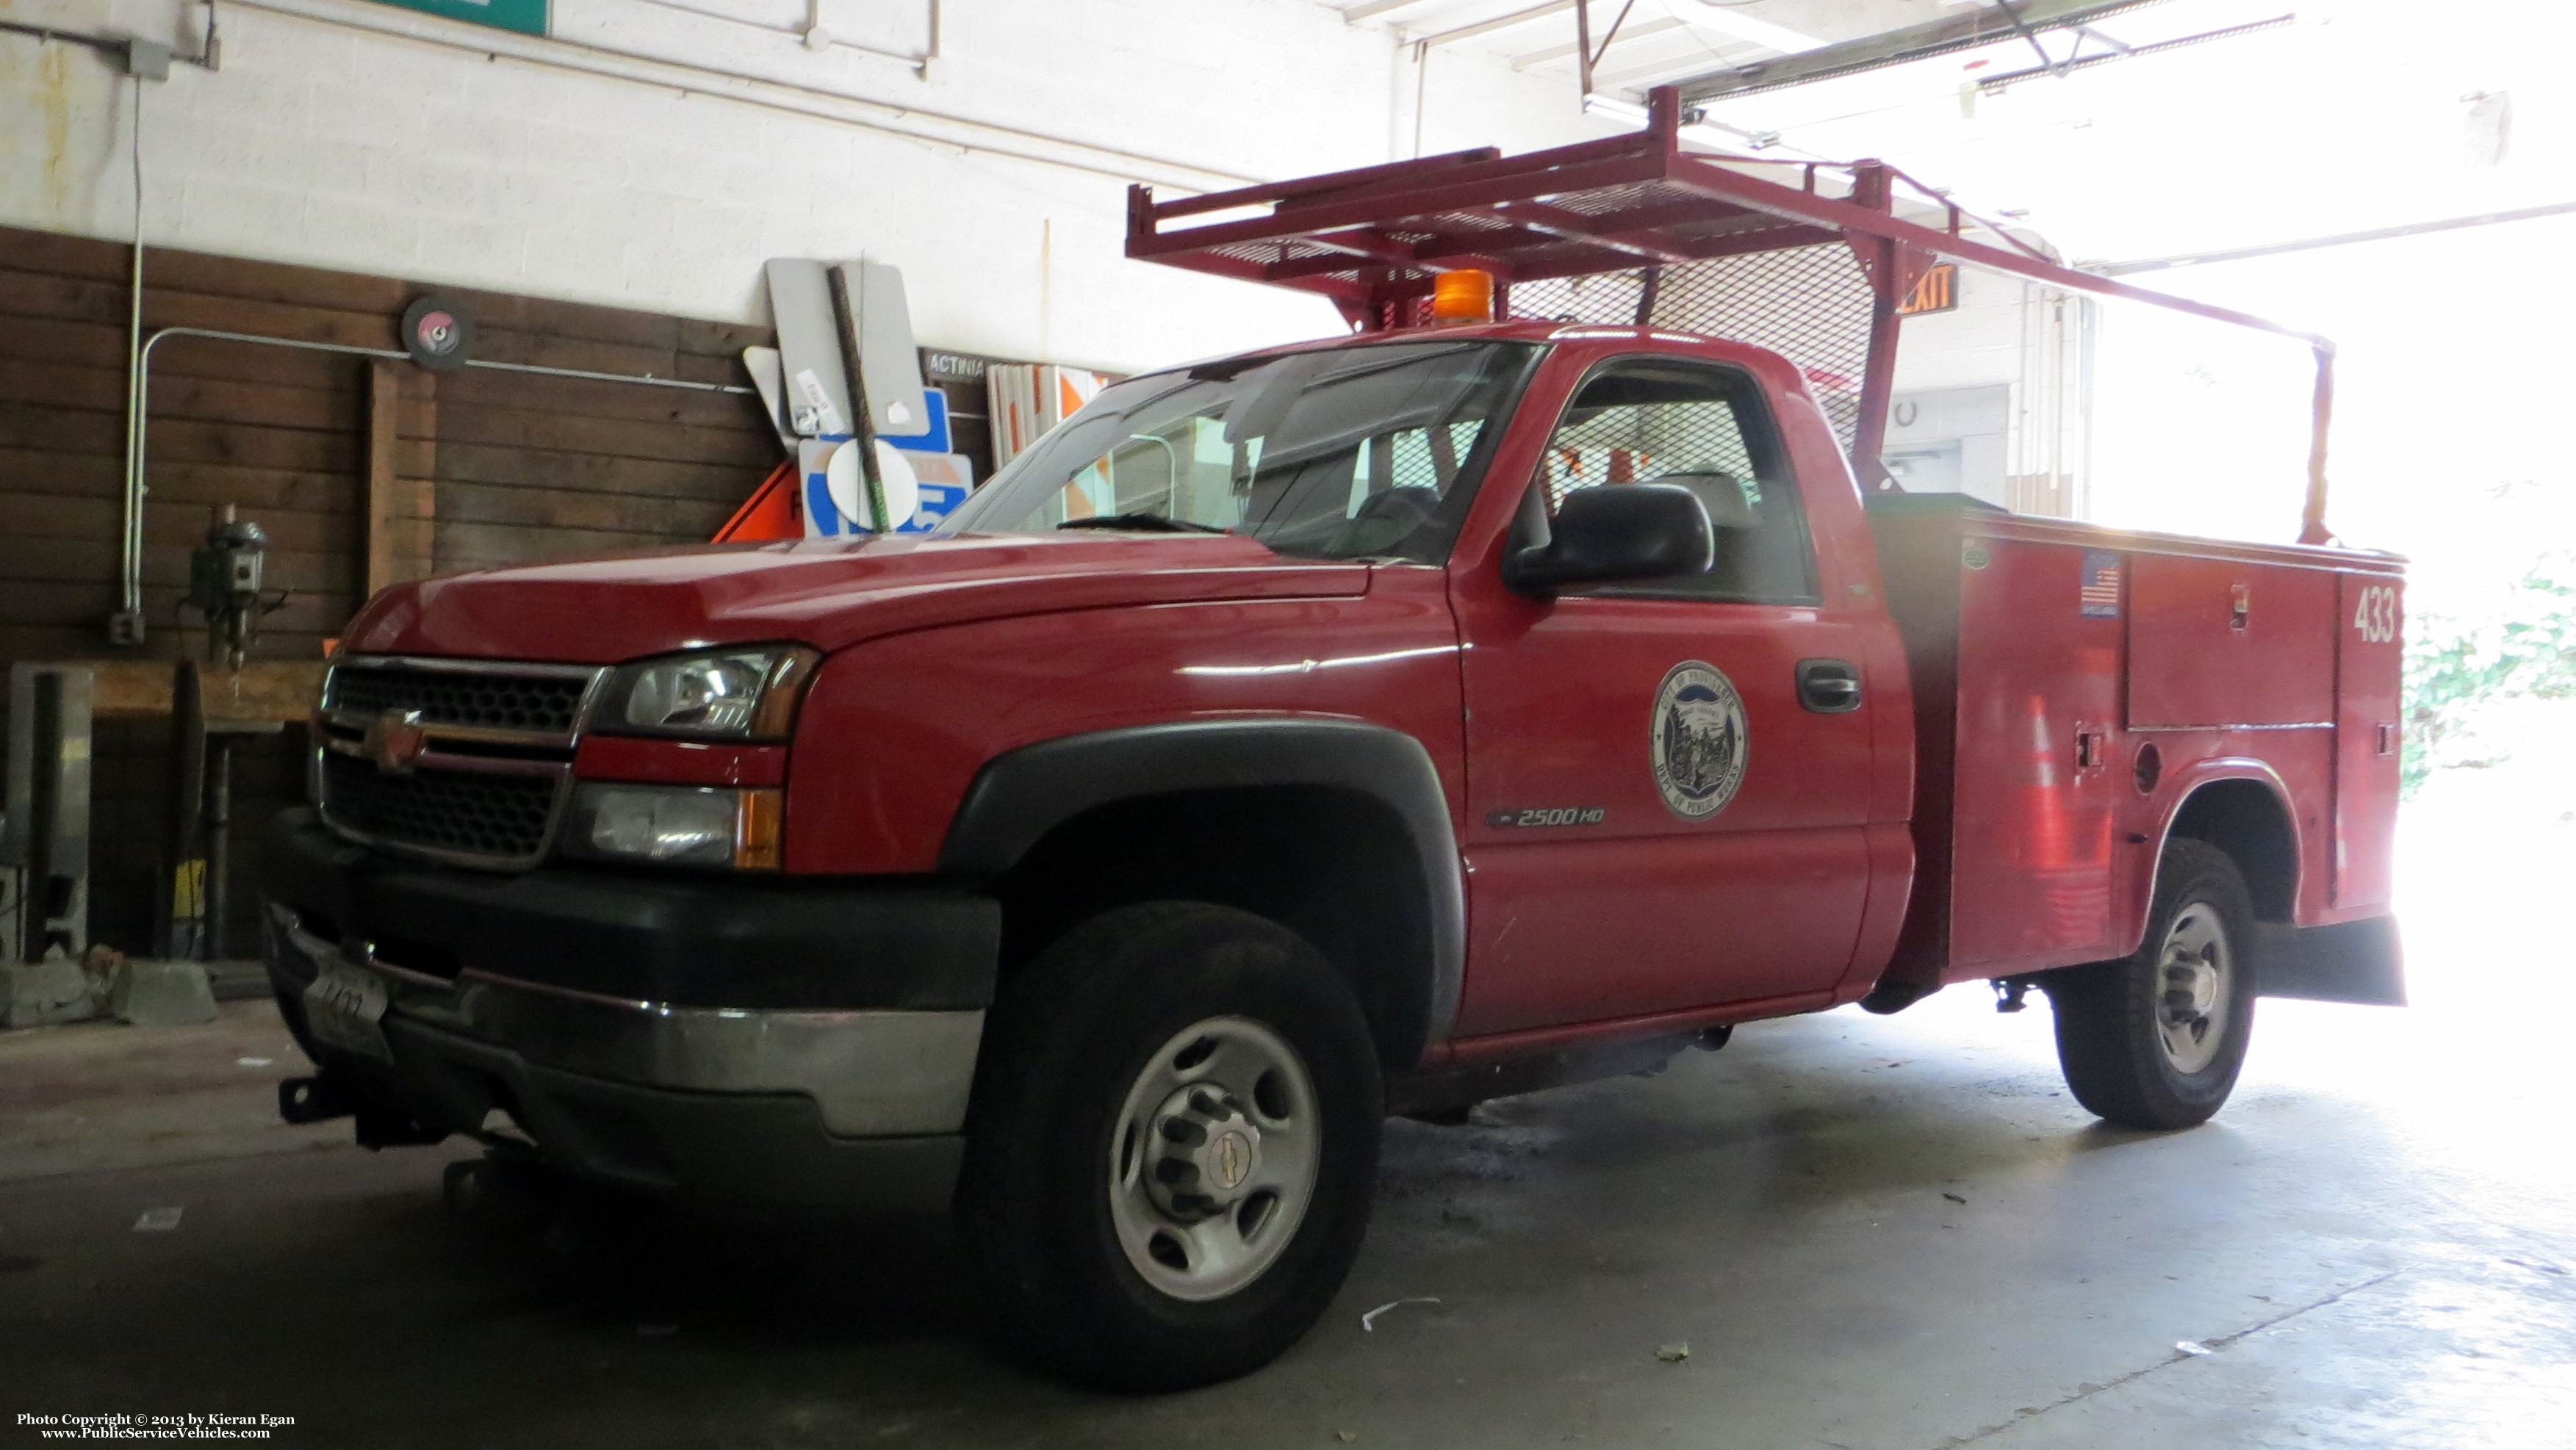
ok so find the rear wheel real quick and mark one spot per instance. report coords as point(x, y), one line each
point(2156, 1039)
point(1173, 1147)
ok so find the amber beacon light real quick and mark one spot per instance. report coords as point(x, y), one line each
point(1466, 295)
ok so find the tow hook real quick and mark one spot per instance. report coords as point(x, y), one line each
point(2008, 993)
point(314, 1099)
point(325, 1096)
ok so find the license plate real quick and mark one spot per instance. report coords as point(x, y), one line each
point(345, 1007)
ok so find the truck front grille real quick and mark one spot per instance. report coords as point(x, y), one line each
point(541, 704)
point(502, 819)
point(465, 761)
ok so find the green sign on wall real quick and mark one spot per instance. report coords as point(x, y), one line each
point(528, 17)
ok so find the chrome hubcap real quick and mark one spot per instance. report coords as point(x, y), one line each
point(2193, 973)
point(1214, 1158)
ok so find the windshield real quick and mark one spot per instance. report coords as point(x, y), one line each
point(1345, 453)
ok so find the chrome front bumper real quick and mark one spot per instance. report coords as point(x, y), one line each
point(825, 1109)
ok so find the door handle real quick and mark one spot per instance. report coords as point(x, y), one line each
point(1829, 687)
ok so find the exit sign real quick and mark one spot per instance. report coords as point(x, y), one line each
point(1937, 292)
point(528, 17)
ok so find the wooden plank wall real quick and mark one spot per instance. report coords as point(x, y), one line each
point(532, 467)
point(484, 467)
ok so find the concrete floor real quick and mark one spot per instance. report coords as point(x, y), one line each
point(1873, 1233)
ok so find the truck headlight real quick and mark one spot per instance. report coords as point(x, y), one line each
point(727, 694)
point(676, 825)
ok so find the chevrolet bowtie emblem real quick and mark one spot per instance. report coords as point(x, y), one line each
point(394, 740)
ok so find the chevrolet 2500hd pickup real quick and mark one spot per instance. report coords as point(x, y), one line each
point(1376, 725)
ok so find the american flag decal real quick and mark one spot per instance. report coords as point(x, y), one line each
point(2099, 594)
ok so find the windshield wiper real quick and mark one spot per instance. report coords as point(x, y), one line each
point(1145, 523)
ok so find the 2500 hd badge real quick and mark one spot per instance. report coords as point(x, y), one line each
point(1549, 816)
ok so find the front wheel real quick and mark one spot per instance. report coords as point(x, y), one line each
point(1173, 1147)
point(2155, 1040)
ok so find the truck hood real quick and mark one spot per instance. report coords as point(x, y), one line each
point(825, 593)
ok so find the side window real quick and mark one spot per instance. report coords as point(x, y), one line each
point(1702, 428)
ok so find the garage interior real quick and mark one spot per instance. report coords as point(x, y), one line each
point(1843, 1229)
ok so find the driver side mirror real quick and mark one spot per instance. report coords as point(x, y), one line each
point(1615, 534)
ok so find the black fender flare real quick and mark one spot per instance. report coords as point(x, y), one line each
point(1022, 794)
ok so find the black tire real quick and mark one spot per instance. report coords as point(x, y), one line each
point(2128, 1053)
point(1072, 1040)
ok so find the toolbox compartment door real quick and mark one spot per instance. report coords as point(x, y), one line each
point(2038, 677)
point(2228, 642)
point(2369, 671)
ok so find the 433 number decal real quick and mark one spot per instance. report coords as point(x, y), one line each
point(2375, 617)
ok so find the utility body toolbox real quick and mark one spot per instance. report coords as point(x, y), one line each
point(2075, 686)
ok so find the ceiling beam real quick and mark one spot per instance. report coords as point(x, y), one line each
point(1996, 84)
point(1612, 82)
point(1487, 27)
point(1371, 9)
point(1966, 31)
point(1532, 60)
point(1736, 25)
point(2340, 239)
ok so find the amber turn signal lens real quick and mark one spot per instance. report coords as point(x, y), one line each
point(776, 715)
point(1466, 295)
point(760, 829)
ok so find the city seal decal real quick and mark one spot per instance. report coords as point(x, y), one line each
point(1699, 741)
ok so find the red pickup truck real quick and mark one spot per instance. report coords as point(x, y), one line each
point(1376, 725)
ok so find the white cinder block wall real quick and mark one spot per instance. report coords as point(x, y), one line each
point(654, 152)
